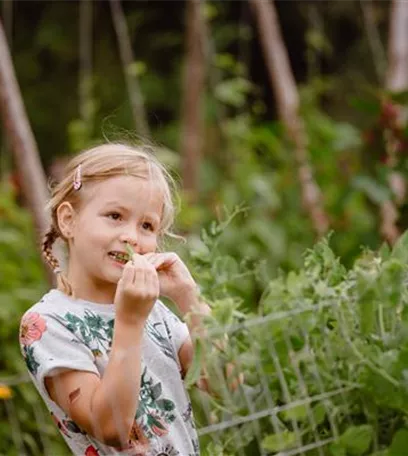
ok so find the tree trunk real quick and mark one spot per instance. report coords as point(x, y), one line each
point(397, 73)
point(194, 75)
point(126, 55)
point(396, 80)
point(373, 38)
point(22, 142)
point(286, 94)
point(85, 62)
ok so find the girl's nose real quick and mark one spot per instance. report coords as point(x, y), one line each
point(130, 237)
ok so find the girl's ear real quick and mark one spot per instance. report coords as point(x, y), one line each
point(66, 219)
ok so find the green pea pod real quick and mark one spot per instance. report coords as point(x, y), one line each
point(130, 251)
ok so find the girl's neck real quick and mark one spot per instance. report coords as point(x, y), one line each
point(87, 290)
point(96, 296)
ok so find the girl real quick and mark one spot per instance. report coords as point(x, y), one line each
point(106, 355)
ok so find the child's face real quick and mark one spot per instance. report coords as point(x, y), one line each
point(115, 211)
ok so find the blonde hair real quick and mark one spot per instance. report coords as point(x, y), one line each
point(96, 164)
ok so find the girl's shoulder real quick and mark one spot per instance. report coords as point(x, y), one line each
point(49, 301)
point(56, 302)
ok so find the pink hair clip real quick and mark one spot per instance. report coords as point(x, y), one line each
point(77, 178)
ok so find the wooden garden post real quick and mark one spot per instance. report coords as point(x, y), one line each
point(22, 142)
point(284, 87)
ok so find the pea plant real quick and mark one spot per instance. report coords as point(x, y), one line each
point(320, 368)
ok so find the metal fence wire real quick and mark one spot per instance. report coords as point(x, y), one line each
point(281, 384)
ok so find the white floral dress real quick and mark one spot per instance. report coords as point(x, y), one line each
point(60, 333)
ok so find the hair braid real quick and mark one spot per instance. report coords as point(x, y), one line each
point(49, 238)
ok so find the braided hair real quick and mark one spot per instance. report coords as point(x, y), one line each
point(49, 238)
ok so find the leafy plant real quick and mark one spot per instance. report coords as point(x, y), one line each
point(26, 426)
point(324, 359)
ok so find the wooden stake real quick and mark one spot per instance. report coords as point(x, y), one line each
point(284, 87)
point(194, 74)
point(22, 143)
point(396, 80)
point(132, 82)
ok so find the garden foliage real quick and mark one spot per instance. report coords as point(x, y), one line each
point(324, 358)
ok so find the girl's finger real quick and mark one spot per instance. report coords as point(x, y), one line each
point(152, 282)
point(136, 257)
point(128, 274)
point(151, 258)
point(139, 277)
point(164, 260)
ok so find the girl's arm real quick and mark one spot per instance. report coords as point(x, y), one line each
point(105, 407)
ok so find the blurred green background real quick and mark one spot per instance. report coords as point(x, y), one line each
point(66, 56)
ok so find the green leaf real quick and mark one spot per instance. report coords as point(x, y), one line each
point(376, 192)
point(298, 413)
point(399, 444)
point(319, 413)
point(384, 252)
point(137, 68)
point(367, 311)
point(400, 250)
point(194, 371)
point(336, 449)
point(279, 442)
point(399, 97)
point(233, 92)
point(156, 391)
point(369, 106)
point(165, 404)
point(390, 283)
point(357, 439)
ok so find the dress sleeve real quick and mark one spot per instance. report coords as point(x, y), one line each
point(49, 347)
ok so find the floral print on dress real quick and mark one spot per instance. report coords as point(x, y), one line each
point(91, 451)
point(67, 426)
point(196, 447)
point(32, 328)
point(162, 340)
point(154, 413)
point(167, 450)
point(188, 413)
point(95, 331)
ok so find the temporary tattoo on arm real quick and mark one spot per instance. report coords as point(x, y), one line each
point(74, 395)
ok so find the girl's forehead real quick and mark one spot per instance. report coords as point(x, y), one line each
point(125, 190)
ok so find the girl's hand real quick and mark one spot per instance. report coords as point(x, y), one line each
point(137, 290)
point(174, 277)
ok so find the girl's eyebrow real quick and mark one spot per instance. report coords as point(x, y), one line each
point(116, 204)
point(119, 206)
point(152, 217)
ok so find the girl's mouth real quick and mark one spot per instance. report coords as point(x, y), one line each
point(119, 257)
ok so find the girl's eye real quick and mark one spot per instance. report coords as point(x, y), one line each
point(114, 215)
point(148, 226)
